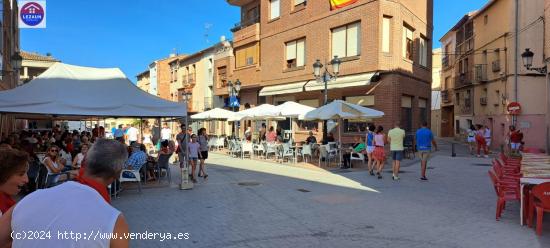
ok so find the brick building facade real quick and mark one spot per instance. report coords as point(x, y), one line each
point(385, 48)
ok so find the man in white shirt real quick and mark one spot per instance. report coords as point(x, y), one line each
point(89, 210)
point(165, 133)
point(487, 136)
point(132, 134)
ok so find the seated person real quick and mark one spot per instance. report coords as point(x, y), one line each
point(271, 136)
point(357, 147)
point(311, 139)
point(329, 138)
point(137, 159)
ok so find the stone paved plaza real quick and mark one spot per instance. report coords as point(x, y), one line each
point(248, 203)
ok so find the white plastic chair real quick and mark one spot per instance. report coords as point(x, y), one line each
point(137, 176)
point(247, 147)
point(270, 148)
point(220, 143)
point(306, 150)
point(287, 152)
point(259, 149)
point(326, 154)
point(212, 142)
point(360, 156)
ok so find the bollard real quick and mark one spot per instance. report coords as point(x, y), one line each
point(453, 153)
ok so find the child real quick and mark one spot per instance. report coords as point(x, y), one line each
point(193, 148)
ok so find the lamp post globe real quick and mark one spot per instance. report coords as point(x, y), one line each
point(527, 57)
point(317, 68)
point(336, 65)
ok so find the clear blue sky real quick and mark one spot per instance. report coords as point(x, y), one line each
point(130, 34)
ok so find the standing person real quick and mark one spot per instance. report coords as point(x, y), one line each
point(132, 133)
point(13, 176)
point(247, 134)
point(424, 141)
point(166, 132)
point(182, 145)
point(471, 138)
point(481, 142)
point(370, 148)
point(193, 149)
point(263, 131)
point(516, 138)
point(119, 134)
point(88, 211)
point(203, 142)
point(101, 132)
point(487, 136)
point(396, 136)
point(147, 138)
point(95, 131)
point(379, 154)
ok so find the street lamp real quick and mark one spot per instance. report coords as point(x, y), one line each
point(527, 57)
point(16, 61)
point(185, 180)
point(325, 77)
point(233, 90)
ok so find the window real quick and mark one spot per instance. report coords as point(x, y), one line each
point(386, 31)
point(346, 40)
point(423, 109)
point(295, 53)
point(222, 76)
point(423, 58)
point(298, 2)
point(246, 56)
point(274, 9)
point(406, 113)
point(447, 83)
point(355, 126)
point(408, 43)
point(314, 103)
point(307, 125)
point(486, 19)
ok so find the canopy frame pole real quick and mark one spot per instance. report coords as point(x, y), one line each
point(140, 129)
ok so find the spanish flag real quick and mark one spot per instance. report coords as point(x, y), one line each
point(337, 4)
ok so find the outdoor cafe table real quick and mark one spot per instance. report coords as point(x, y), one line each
point(535, 169)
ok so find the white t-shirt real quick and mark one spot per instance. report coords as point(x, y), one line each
point(165, 133)
point(50, 210)
point(132, 134)
point(67, 156)
point(79, 157)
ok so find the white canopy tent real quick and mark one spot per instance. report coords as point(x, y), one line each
point(339, 110)
point(69, 90)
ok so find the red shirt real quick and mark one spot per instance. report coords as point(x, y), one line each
point(516, 137)
point(6, 202)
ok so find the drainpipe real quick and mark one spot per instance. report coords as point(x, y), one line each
point(516, 50)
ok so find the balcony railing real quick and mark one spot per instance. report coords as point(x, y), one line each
point(464, 79)
point(481, 73)
point(483, 100)
point(191, 79)
point(245, 23)
point(496, 65)
point(207, 103)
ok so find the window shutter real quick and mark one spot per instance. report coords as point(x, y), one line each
point(406, 102)
point(291, 50)
point(353, 39)
point(300, 52)
point(339, 42)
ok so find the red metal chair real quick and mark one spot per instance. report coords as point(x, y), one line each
point(505, 192)
point(541, 203)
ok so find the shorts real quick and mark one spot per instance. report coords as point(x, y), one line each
point(488, 142)
point(424, 155)
point(515, 146)
point(471, 140)
point(204, 154)
point(397, 155)
point(193, 158)
point(370, 149)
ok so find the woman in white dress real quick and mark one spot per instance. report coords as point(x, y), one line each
point(147, 139)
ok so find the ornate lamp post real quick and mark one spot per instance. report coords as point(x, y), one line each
point(324, 77)
point(527, 57)
point(233, 90)
point(185, 182)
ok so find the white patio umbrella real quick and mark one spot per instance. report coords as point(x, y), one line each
point(256, 113)
point(293, 110)
point(339, 110)
point(214, 114)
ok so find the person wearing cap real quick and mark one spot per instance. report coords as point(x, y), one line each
point(137, 159)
